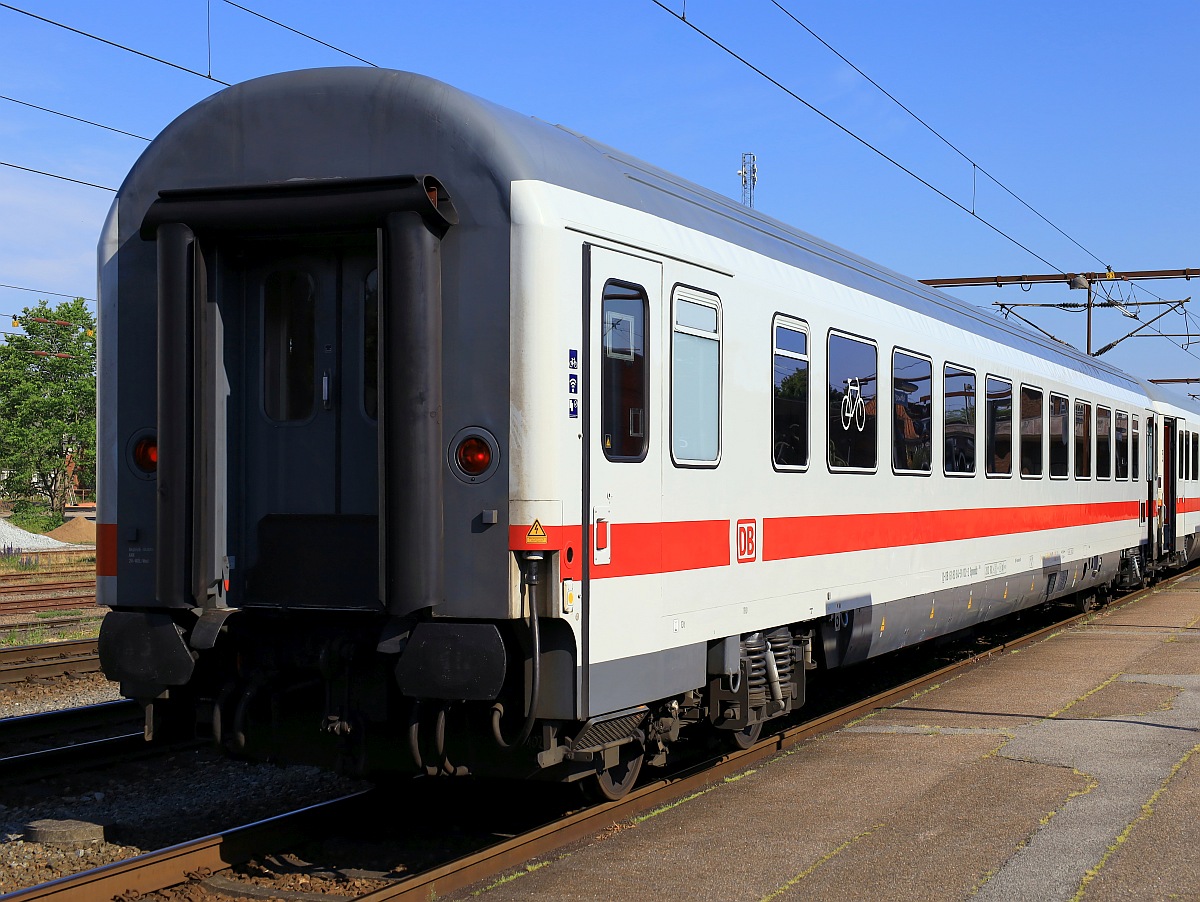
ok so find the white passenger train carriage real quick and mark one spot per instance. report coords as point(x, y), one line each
point(491, 449)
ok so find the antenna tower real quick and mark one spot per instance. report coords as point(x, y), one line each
point(749, 174)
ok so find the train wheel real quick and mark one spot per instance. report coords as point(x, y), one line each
point(743, 739)
point(613, 783)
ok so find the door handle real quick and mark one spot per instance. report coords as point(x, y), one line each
point(325, 393)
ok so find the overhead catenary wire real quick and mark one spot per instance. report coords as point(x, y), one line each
point(57, 294)
point(861, 140)
point(300, 33)
point(46, 109)
point(974, 164)
point(54, 175)
point(124, 47)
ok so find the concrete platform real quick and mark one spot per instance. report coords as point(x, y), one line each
point(1062, 771)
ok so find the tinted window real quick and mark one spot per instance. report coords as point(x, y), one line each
point(959, 418)
point(852, 403)
point(624, 379)
point(696, 381)
point(289, 330)
point(999, 426)
point(789, 407)
point(1060, 437)
point(1083, 440)
point(1122, 446)
point(912, 408)
point(1103, 443)
point(1031, 431)
point(1135, 471)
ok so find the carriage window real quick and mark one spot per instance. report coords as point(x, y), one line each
point(1122, 454)
point(852, 397)
point(789, 409)
point(371, 344)
point(1181, 457)
point(696, 380)
point(1060, 437)
point(1031, 431)
point(624, 379)
point(289, 332)
point(1135, 470)
point(912, 408)
point(999, 426)
point(959, 402)
point(1083, 440)
point(1103, 443)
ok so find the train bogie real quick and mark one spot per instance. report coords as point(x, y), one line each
point(484, 448)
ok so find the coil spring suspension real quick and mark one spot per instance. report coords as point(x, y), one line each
point(770, 666)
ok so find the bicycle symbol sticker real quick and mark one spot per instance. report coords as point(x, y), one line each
point(854, 408)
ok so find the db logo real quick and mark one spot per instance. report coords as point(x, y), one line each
point(747, 550)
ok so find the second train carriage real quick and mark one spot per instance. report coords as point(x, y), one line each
point(469, 444)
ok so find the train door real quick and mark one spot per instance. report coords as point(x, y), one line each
point(622, 476)
point(305, 492)
point(1151, 493)
point(1167, 497)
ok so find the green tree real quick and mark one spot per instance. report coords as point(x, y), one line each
point(48, 404)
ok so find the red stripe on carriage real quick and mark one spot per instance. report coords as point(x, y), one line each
point(793, 537)
point(638, 548)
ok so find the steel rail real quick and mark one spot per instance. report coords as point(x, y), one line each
point(22, 662)
point(168, 867)
point(34, 588)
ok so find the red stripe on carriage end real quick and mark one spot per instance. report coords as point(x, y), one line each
point(106, 549)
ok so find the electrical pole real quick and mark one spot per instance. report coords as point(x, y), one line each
point(1074, 280)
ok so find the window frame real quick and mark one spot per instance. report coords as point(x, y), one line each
point(1041, 433)
point(647, 388)
point(701, 298)
point(915, 355)
point(1105, 477)
point(792, 324)
point(1135, 448)
point(1089, 421)
point(1118, 444)
point(988, 437)
point(1068, 434)
point(974, 374)
point(860, 339)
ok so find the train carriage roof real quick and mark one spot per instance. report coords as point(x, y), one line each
point(354, 122)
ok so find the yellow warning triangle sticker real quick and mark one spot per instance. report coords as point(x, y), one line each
point(536, 535)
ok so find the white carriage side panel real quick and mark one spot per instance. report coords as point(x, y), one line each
point(734, 597)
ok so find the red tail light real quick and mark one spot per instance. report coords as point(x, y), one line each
point(474, 455)
point(145, 454)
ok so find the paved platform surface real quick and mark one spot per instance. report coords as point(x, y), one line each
point(1062, 771)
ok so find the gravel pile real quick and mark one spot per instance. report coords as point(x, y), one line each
point(19, 540)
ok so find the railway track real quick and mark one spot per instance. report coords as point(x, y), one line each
point(24, 662)
point(214, 854)
point(29, 587)
point(70, 740)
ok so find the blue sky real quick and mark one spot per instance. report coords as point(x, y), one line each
point(1086, 110)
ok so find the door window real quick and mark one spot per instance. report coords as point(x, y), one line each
point(289, 329)
point(624, 378)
